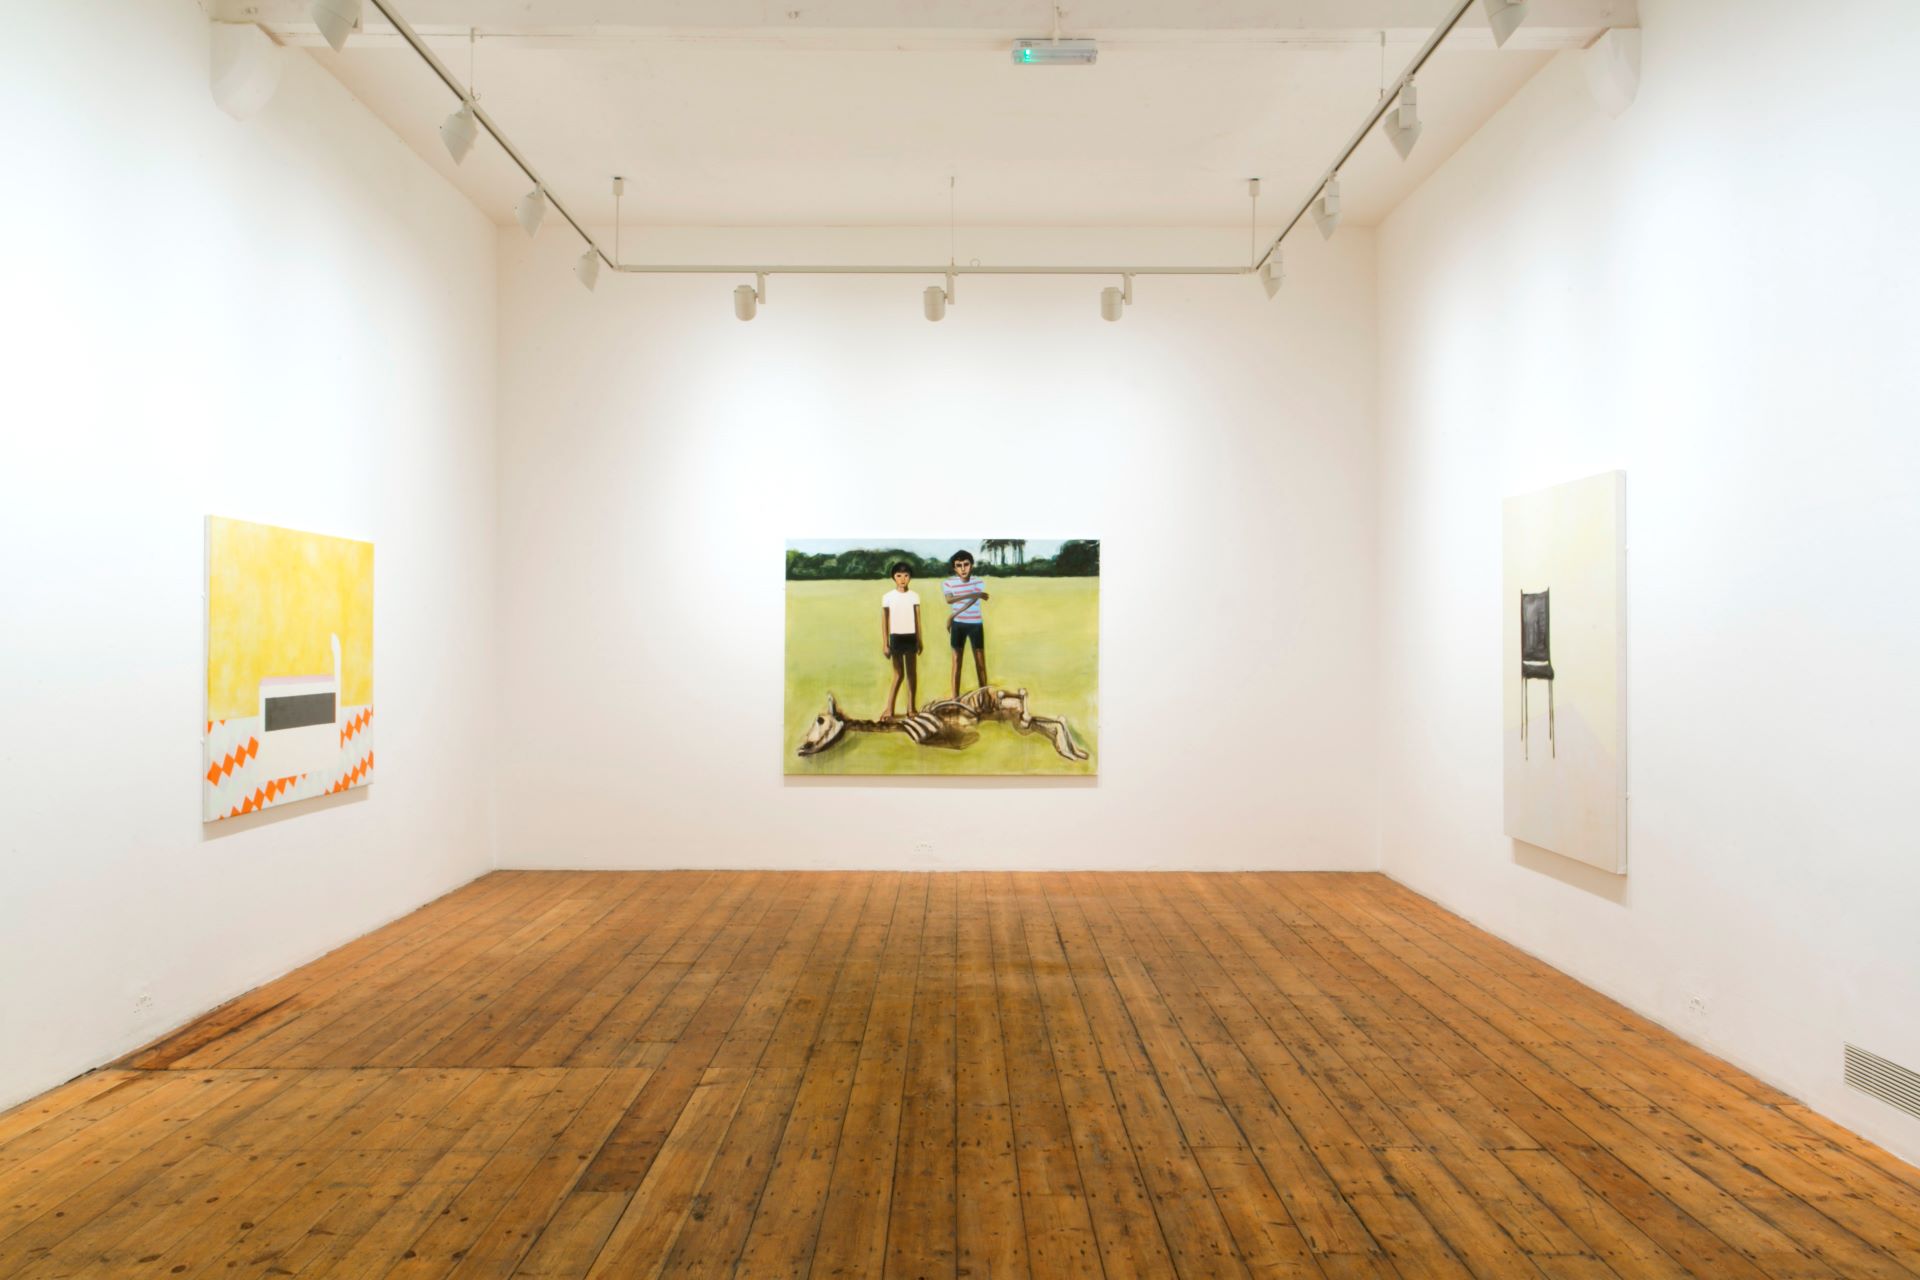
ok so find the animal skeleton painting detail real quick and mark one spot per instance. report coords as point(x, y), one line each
point(951, 723)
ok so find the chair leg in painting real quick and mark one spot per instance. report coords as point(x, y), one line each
point(1553, 736)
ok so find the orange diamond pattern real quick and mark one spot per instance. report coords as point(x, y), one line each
point(266, 795)
point(233, 760)
point(354, 727)
point(355, 776)
point(235, 783)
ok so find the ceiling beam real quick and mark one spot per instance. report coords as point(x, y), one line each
point(943, 24)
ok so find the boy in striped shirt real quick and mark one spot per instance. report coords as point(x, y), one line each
point(965, 620)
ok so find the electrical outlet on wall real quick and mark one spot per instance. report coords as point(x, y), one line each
point(1689, 995)
point(142, 1001)
point(1697, 1003)
point(924, 849)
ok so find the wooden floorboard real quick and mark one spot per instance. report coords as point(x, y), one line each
point(955, 1076)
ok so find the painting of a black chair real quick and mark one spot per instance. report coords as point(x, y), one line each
point(1536, 661)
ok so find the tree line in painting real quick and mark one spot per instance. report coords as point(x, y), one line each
point(997, 557)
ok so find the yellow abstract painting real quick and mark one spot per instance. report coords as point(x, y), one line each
point(289, 666)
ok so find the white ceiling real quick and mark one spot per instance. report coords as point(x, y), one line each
point(756, 123)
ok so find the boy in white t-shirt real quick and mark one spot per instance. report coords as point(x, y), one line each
point(900, 637)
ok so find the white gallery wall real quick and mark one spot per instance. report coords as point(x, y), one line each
point(1714, 292)
point(288, 320)
point(656, 453)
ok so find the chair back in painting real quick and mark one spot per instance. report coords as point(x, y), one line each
point(1536, 660)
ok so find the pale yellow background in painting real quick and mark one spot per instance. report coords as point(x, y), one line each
point(275, 599)
point(1567, 793)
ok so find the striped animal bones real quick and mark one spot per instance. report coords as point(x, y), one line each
point(953, 723)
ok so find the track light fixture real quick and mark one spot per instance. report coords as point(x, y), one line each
point(1114, 300)
point(531, 209)
point(1273, 273)
point(337, 19)
point(1397, 112)
point(459, 130)
point(934, 301)
point(748, 297)
point(244, 69)
point(1505, 17)
point(1612, 65)
point(1403, 122)
point(1326, 208)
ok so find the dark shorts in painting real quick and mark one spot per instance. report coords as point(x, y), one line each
point(961, 632)
point(899, 645)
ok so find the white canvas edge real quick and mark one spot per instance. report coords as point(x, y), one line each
point(1619, 477)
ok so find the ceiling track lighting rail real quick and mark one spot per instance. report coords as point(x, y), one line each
point(1506, 15)
point(941, 269)
point(465, 95)
point(339, 17)
point(1323, 202)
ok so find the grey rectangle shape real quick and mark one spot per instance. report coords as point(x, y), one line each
point(296, 711)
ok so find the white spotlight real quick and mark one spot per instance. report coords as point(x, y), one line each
point(336, 19)
point(746, 302)
point(587, 269)
point(1613, 70)
point(1326, 209)
point(531, 209)
point(1114, 301)
point(1403, 122)
point(934, 302)
point(245, 68)
point(1273, 274)
point(459, 130)
point(1505, 17)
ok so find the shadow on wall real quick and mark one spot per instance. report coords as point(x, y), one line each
point(1601, 884)
point(965, 782)
point(266, 817)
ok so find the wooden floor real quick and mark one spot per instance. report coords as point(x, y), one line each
point(985, 1076)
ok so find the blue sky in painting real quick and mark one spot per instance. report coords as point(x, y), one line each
point(930, 548)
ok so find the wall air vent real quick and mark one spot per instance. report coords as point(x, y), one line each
point(1893, 1084)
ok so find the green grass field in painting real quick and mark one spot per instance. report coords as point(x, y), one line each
point(1043, 635)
